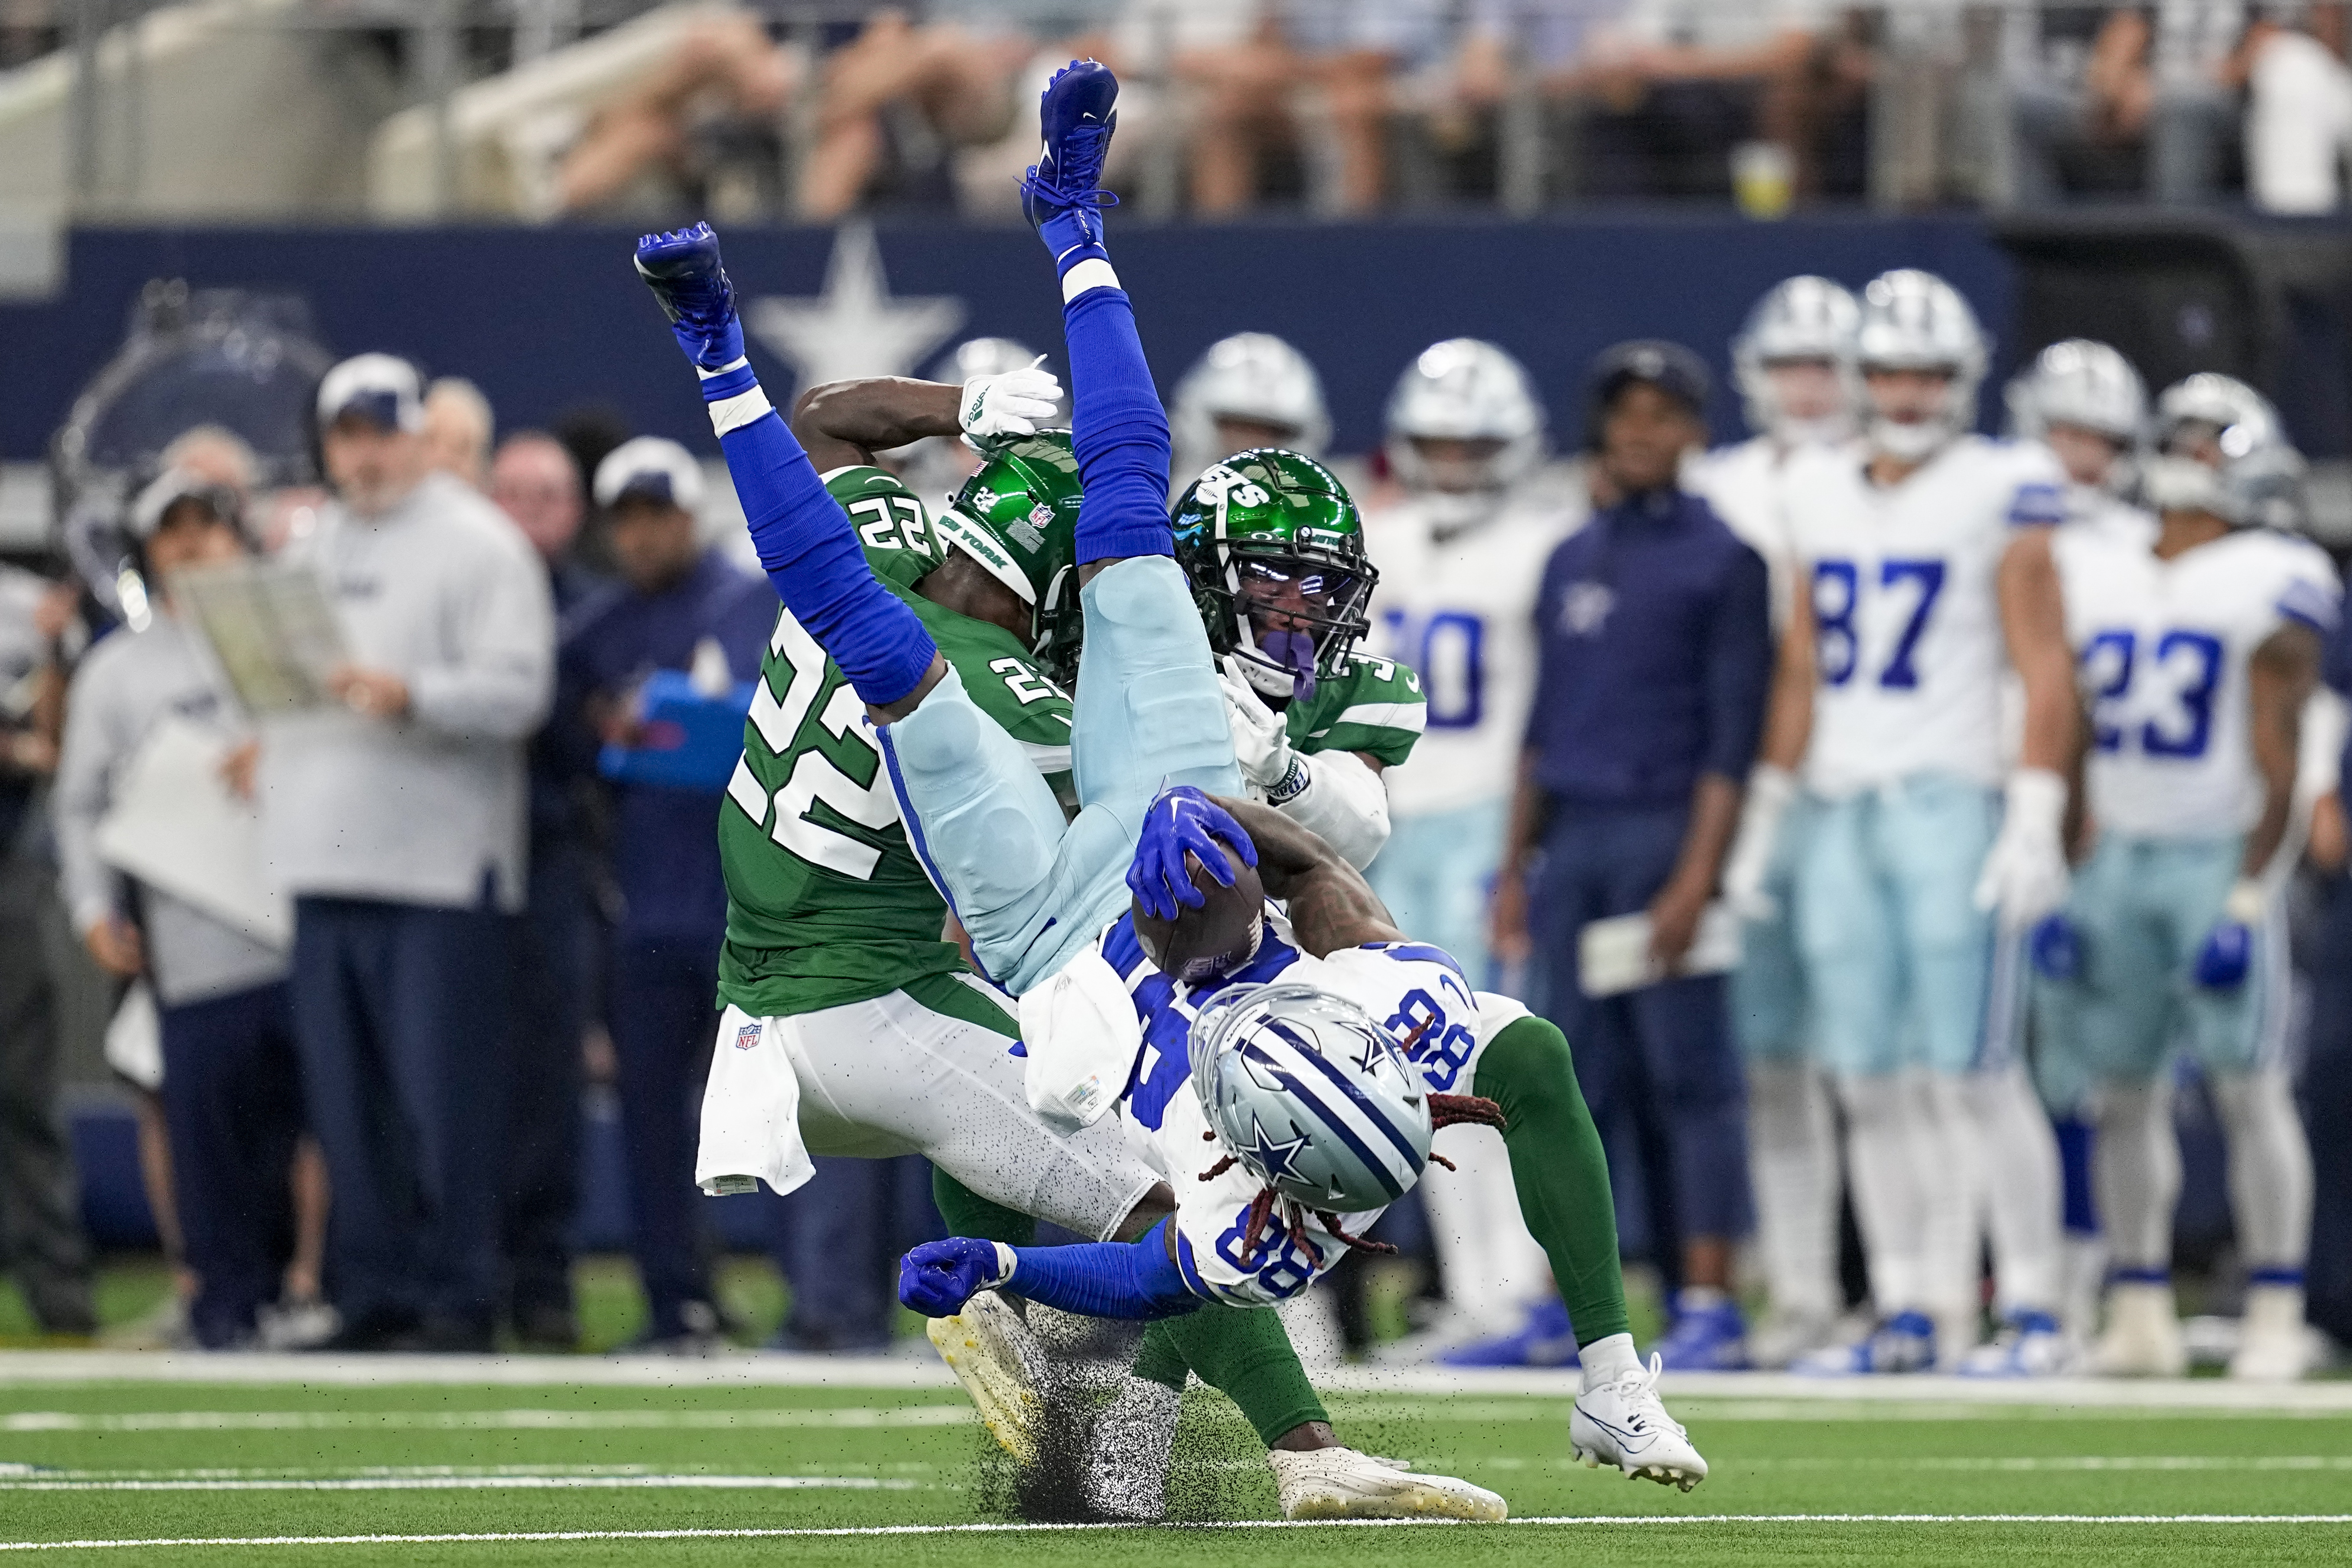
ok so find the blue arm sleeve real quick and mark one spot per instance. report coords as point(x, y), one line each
point(1105, 1278)
point(1118, 429)
point(1738, 667)
point(811, 554)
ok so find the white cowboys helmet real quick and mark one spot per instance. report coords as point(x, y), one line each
point(1252, 376)
point(1312, 1096)
point(1914, 320)
point(2220, 448)
point(1466, 390)
point(1802, 318)
point(2082, 384)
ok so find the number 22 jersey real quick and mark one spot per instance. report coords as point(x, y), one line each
point(2162, 648)
point(1908, 646)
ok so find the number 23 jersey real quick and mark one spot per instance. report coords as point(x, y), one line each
point(1415, 989)
point(1908, 646)
point(2162, 648)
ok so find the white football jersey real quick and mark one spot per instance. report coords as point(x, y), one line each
point(2162, 648)
point(1907, 628)
point(2091, 510)
point(1744, 484)
point(1460, 610)
point(1416, 990)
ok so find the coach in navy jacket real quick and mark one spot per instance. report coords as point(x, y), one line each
point(1653, 623)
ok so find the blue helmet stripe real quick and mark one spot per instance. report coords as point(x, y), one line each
point(1370, 1107)
point(1323, 1115)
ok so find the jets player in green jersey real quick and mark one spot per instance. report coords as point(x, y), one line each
point(1273, 548)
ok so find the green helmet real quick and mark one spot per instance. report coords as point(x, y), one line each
point(1018, 516)
point(1275, 551)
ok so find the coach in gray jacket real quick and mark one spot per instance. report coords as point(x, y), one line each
point(398, 825)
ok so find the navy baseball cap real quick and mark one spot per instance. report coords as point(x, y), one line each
point(1647, 361)
point(651, 467)
point(383, 390)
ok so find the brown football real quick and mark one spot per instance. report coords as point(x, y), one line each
point(1221, 934)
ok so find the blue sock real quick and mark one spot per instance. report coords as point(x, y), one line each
point(808, 549)
point(1116, 425)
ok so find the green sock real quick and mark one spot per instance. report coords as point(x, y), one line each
point(1244, 1353)
point(1560, 1170)
point(969, 1214)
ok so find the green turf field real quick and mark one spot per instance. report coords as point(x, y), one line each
point(696, 1474)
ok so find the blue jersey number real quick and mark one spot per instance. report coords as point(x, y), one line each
point(1438, 1048)
point(2188, 663)
point(1451, 654)
point(1837, 597)
point(1288, 1263)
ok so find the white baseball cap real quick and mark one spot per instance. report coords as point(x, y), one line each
point(174, 485)
point(380, 388)
point(650, 466)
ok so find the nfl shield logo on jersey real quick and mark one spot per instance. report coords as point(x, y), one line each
point(747, 1036)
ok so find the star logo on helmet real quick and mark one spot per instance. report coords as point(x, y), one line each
point(1270, 1159)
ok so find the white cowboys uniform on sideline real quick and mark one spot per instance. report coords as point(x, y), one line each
point(1793, 360)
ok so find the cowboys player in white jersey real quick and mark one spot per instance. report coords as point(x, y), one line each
point(2198, 649)
point(1460, 554)
point(1926, 562)
point(1793, 361)
point(1249, 390)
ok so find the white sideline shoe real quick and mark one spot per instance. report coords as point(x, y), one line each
point(1340, 1483)
point(1626, 1424)
point(990, 1350)
point(2143, 1334)
point(2274, 1344)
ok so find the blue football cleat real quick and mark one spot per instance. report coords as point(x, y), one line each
point(1903, 1342)
point(683, 271)
point(2029, 1344)
point(1545, 1339)
point(1708, 1334)
point(1060, 195)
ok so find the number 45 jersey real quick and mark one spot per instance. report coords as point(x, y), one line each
point(1415, 989)
point(1907, 634)
point(826, 903)
point(2162, 649)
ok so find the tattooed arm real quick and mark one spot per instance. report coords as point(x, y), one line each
point(1331, 905)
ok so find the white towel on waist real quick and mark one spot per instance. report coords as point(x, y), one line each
point(750, 1113)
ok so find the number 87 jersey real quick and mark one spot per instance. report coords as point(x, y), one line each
point(2162, 648)
point(1908, 648)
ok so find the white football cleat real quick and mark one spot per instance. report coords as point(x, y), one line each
point(1340, 1483)
point(2029, 1344)
point(990, 1350)
point(2143, 1333)
point(2274, 1344)
point(1626, 1424)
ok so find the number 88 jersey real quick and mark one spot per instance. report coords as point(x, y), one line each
point(1909, 647)
point(2162, 648)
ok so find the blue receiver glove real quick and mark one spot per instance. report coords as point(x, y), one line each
point(2056, 947)
point(2225, 955)
point(938, 1278)
point(1184, 820)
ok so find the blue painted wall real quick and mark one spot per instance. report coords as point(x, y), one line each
point(546, 320)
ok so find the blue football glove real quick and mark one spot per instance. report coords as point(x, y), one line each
point(2056, 945)
point(1184, 820)
point(939, 1277)
point(2224, 956)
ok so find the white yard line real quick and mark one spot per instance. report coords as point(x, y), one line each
point(889, 1530)
point(480, 1483)
point(533, 1420)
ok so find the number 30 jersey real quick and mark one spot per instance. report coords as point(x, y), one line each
point(1460, 609)
point(826, 903)
point(1416, 989)
point(1907, 634)
point(2162, 648)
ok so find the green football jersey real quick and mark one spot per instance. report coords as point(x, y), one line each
point(1375, 707)
point(826, 903)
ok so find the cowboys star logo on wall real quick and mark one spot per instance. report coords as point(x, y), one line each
point(855, 326)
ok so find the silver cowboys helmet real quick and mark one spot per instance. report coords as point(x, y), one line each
point(2078, 383)
point(1802, 318)
point(1252, 376)
point(1464, 390)
point(1914, 320)
point(2220, 448)
point(1311, 1096)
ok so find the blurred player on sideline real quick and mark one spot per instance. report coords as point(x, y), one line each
point(2199, 650)
point(1926, 560)
point(1461, 554)
point(1249, 390)
point(1793, 361)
